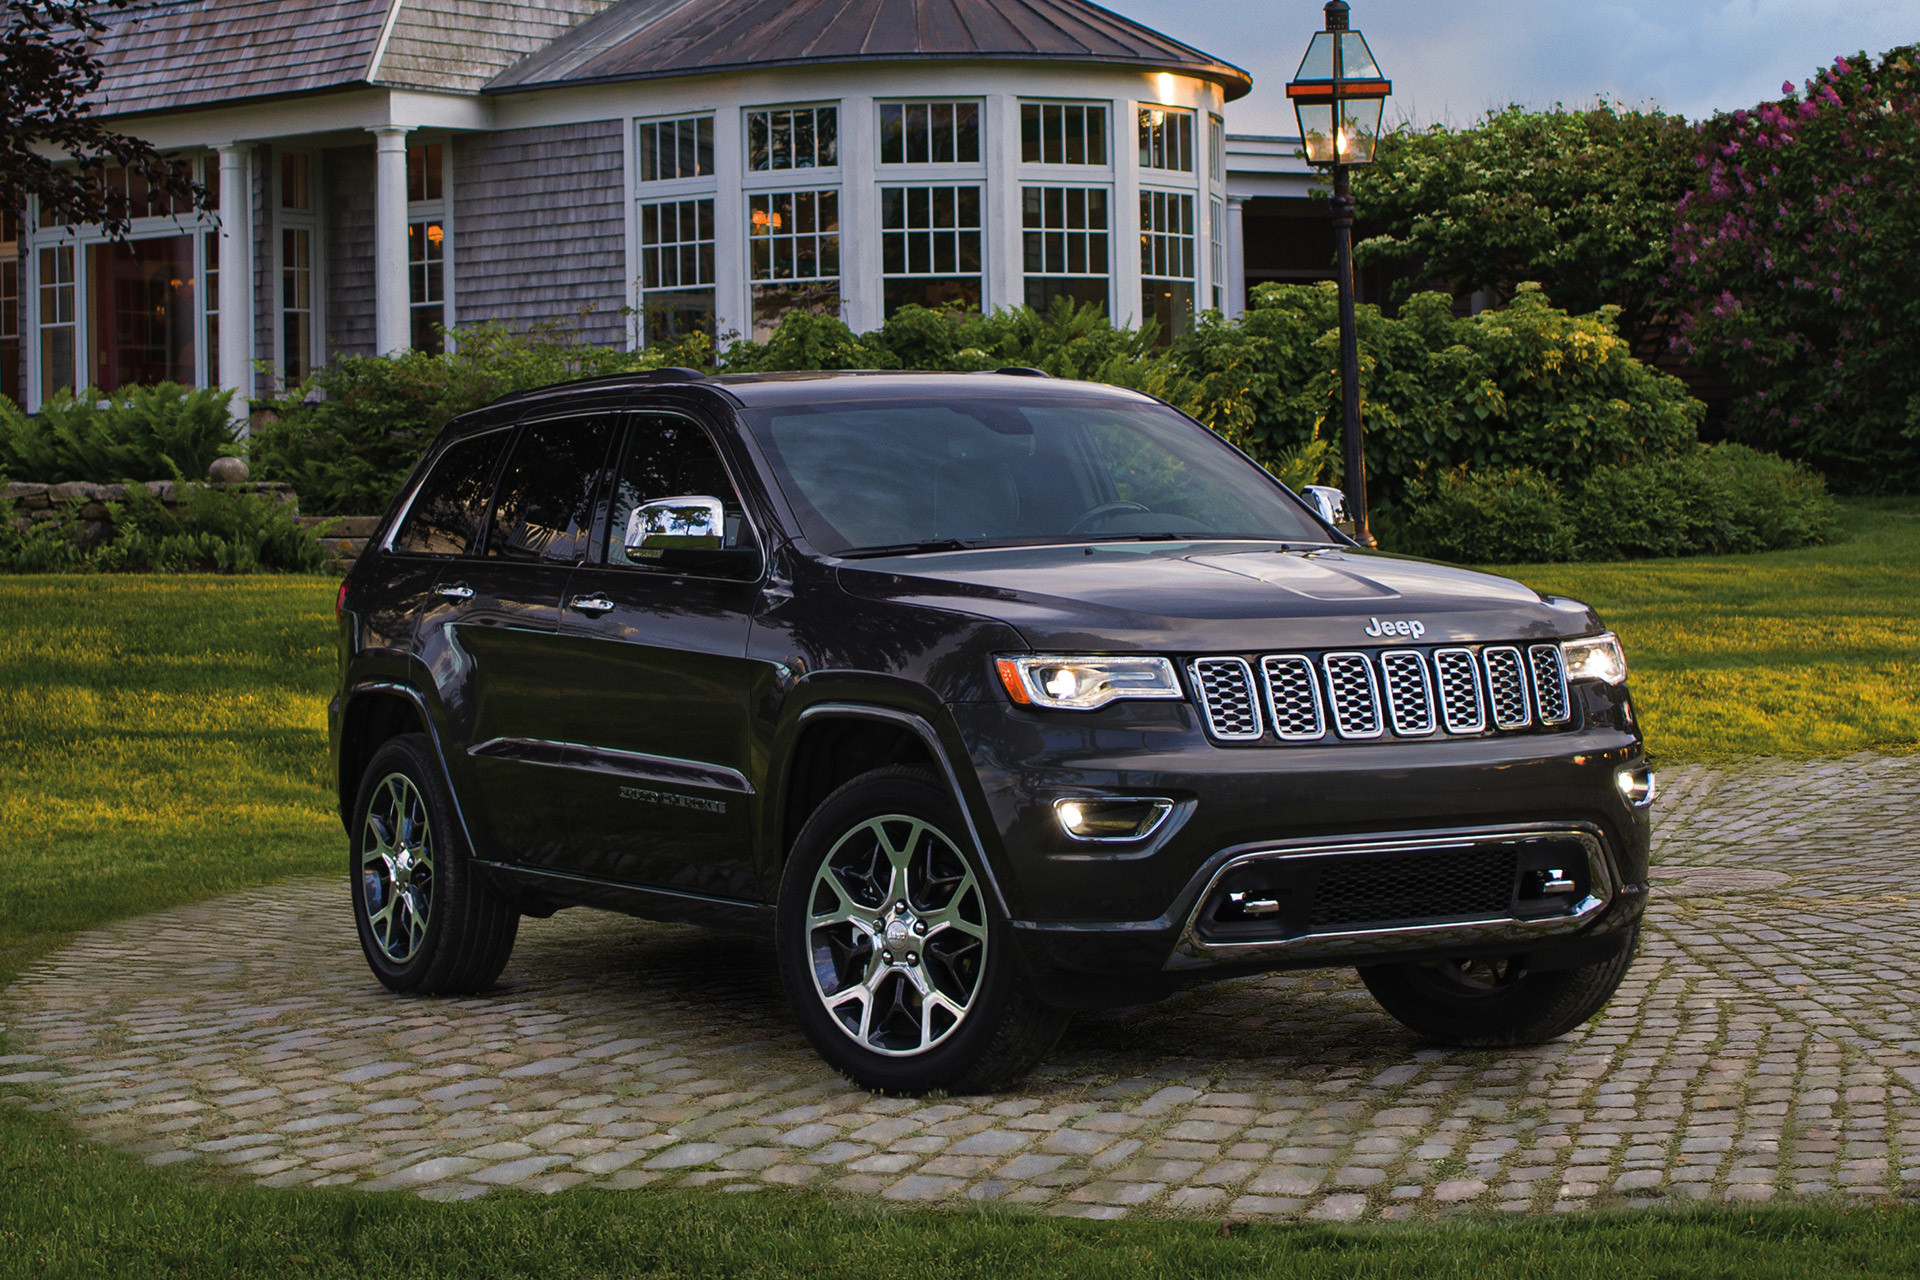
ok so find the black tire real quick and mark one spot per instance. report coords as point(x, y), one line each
point(1493, 1003)
point(1002, 1031)
point(400, 873)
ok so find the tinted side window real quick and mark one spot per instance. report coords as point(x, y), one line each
point(668, 457)
point(545, 505)
point(446, 511)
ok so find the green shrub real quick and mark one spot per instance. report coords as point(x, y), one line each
point(212, 530)
point(162, 432)
point(1525, 386)
point(1511, 516)
point(1712, 500)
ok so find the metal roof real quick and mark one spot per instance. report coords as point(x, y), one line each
point(644, 39)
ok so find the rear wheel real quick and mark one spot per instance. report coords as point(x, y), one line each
point(894, 956)
point(427, 922)
point(1490, 1002)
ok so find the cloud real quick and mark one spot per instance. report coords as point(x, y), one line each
point(1453, 61)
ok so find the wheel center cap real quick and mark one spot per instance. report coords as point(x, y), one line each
point(899, 933)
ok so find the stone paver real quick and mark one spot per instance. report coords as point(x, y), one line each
point(1764, 1047)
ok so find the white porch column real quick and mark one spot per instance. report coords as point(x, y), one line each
point(236, 280)
point(391, 297)
point(1236, 256)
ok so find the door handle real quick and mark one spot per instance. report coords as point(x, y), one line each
point(455, 591)
point(591, 604)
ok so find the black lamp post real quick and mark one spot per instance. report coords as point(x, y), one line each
point(1339, 95)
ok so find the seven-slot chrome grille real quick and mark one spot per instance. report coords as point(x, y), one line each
point(1366, 695)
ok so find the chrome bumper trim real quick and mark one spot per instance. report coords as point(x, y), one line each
point(1194, 951)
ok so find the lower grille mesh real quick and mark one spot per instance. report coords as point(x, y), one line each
point(1416, 887)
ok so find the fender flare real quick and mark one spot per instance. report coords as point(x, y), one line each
point(924, 729)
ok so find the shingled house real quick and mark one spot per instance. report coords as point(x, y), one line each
point(386, 169)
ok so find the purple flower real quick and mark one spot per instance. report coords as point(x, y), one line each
point(1786, 86)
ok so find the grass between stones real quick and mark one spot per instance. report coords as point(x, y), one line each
point(163, 740)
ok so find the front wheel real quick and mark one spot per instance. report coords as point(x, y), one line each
point(894, 955)
point(1491, 1002)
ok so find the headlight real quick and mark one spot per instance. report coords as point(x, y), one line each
point(1595, 658)
point(1084, 684)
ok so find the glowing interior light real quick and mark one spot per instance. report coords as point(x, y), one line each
point(1164, 83)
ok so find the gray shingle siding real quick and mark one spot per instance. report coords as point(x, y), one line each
point(348, 183)
point(461, 44)
point(540, 230)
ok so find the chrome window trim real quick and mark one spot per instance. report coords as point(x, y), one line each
point(1479, 722)
point(1313, 687)
point(1393, 706)
point(1333, 696)
point(1206, 703)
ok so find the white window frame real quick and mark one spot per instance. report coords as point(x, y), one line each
point(440, 211)
point(1106, 272)
point(810, 176)
point(838, 278)
point(891, 170)
point(1079, 172)
point(281, 220)
point(34, 237)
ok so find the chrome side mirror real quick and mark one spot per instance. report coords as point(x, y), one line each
point(1329, 503)
point(691, 523)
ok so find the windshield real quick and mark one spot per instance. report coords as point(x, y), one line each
point(865, 475)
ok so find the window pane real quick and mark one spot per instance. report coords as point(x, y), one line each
point(446, 512)
point(545, 504)
point(142, 316)
point(919, 146)
point(826, 135)
point(892, 133)
point(759, 152)
point(1030, 133)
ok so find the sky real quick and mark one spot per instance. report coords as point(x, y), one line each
point(1452, 60)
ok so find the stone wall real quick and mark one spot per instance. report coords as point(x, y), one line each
point(342, 537)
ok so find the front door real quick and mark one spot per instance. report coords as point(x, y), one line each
point(657, 685)
point(494, 641)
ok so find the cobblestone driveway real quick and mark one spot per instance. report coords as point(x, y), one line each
point(1764, 1047)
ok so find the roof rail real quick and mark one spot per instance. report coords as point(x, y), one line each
point(639, 377)
point(1018, 371)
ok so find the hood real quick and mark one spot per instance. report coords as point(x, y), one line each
point(1218, 597)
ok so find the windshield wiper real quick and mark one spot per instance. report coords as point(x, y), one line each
point(906, 548)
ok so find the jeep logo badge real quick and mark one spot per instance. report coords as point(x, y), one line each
point(1375, 627)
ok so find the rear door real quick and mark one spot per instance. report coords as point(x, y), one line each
point(655, 684)
point(496, 642)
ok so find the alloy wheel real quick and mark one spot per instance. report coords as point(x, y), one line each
point(897, 933)
point(396, 867)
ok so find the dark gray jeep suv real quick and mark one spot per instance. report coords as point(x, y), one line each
point(988, 697)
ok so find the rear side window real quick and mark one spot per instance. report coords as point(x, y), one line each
point(544, 510)
point(446, 511)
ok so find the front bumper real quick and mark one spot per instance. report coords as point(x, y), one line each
point(1085, 912)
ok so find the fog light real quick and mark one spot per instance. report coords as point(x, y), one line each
point(1111, 820)
point(1637, 785)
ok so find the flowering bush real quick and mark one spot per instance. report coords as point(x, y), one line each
point(1797, 267)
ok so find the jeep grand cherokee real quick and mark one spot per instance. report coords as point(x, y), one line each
point(988, 697)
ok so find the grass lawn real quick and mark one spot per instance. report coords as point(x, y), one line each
point(163, 740)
